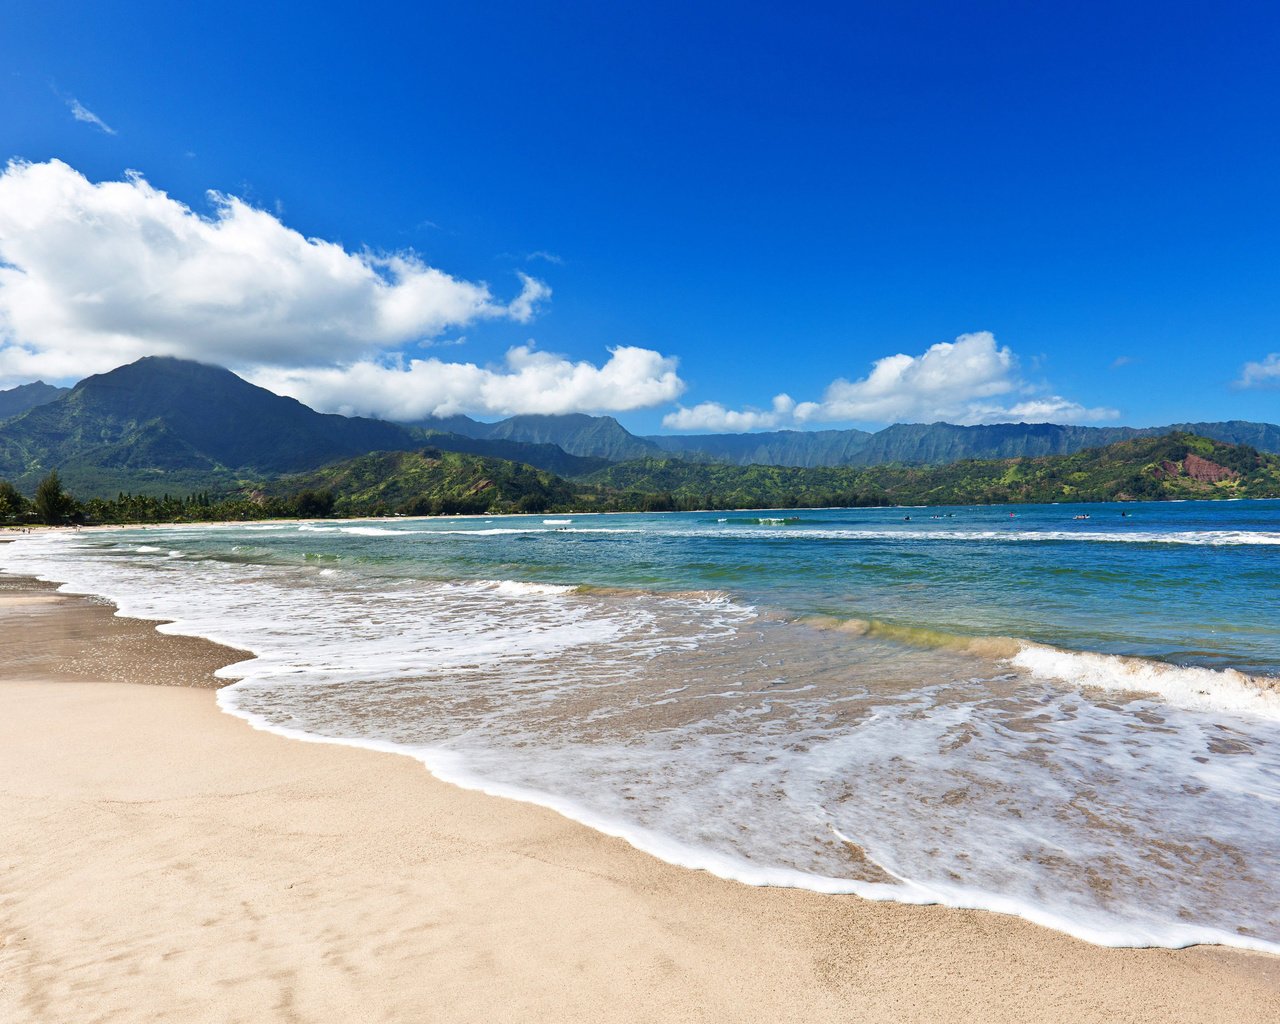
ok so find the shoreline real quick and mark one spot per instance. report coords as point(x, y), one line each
point(9, 532)
point(158, 846)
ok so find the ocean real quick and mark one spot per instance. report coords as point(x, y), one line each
point(1074, 720)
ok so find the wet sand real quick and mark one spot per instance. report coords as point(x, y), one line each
point(162, 861)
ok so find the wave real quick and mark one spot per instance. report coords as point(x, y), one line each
point(1207, 538)
point(919, 636)
point(1184, 686)
point(518, 588)
point(1213, 538)
point(493, 531)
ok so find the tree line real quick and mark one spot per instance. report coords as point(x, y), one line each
point(52, 505)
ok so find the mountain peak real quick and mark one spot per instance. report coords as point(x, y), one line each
point(18, 400)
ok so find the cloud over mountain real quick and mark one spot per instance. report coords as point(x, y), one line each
point(527, 382)
point(970, 380)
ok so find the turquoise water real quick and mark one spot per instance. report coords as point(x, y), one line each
point(1071, 719)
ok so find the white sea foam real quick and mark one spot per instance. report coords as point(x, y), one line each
point(517, 588)
point(1184, 686)
point(1212, 538)
point(717, 739)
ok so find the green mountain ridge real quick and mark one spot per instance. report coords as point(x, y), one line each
point(1174, 466)
point(431, 481)
point(937, 443)
point(906, 443)
point(165, 425)
point(171, 426)
point(18, 400)
point(601, 437)
point(1149, 468)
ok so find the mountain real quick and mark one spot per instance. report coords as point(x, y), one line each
point(168, 421)
point(912, 444)
point(770, 448)
point(578, 434)
point(920, 444)
point(27, 396)
point(431, 481)
point(600, 437)
point(1175, 465)
point(172, 425)
point(1263, 436)
point(550, 457)
point(459, 424)
point(164, 425)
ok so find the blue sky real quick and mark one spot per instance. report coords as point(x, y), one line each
point(766, 201)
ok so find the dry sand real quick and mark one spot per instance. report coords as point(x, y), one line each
point(162, 861)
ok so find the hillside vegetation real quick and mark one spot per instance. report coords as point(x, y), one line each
point(163, 426)
point(1153, 468)
point(431, 481)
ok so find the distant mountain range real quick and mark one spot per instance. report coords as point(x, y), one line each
point(27, 396)
point(171, 425)
point(911, 444)
point(598, 437)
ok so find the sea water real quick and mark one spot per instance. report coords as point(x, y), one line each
point(1072, 720)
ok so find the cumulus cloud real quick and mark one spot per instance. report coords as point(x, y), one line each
point(942, 383)
point(970, 380)
point(93, 275)
point(713, 416)
point(82, 113)
point(1262, 374)
point(527, 381)
point(1046, 409)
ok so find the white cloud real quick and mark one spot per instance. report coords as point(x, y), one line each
point(942, 383)
point(82, 113)
point(713, 416)
point(527, 382)
point(1262, 374)
point(1047, 409)
point(525, 305)
point(955, 381)
point(96, 275)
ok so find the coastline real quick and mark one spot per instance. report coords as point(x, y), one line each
point(166, 861)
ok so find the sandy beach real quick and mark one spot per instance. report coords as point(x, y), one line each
point(163, 861)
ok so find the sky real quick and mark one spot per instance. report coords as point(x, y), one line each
point(691, 216)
